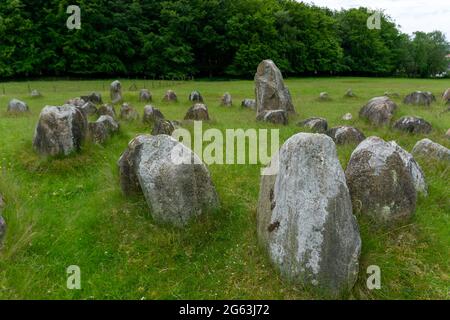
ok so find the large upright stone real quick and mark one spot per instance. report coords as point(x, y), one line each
point(176, 191)
point(115, 91)
point(305, 219)
point(271, 93)
point(60, 130)
point(380, 184)
point(378, 111)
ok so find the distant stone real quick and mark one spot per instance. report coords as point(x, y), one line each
point(324, 96)
point(380, 184)
point(195, 96)
point(349, 93)
point(176, 191)
point(345, 134)
point(170, 96)
point(413, 125)
point(319, 125)
point(273, 116)
point(271, 93)
point(249, 103)
point(378, 111)
point(163, 127)
point(347, 117)
point(145, 95)
point(115, 91)
point(198, 112)
point(413, 167)
point(429, 149)
point(88, 108)
point(94, 97)
point(446, 96)
point(420, 98)
point(17, 106)
point(226, 100)
point(35, 93)
point(152, 114)
point(107, 110)
point(60, 130)
point(77, 102)
point(128, 113)
point(102, 129)
point(305, 219)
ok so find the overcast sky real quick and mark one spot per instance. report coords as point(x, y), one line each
point(411, 15)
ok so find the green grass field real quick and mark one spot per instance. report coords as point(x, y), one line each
point(70, 211)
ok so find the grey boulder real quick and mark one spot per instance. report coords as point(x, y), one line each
point(378, 111)
point(248, 103)
point(198, 112)
point(273, 116)
point(319, 125)
point(163, 127)
point(413, 125)
point(195, 96)
point(107, 110)
point(226, 100)
point(115, 92)
point(128, 113)
point(345, 134)
point(429, 149)
point(102, 129)
point(170, 96)
point(18, 106)
point(145, 95)
point(420, 98)
point(151, 114)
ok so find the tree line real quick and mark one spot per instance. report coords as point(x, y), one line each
point(207, 38)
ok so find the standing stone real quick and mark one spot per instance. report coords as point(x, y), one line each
point(413, 168)
point(77, 102)
point(116, 92)
point(195, 96)
point(273, 116)
point(226, 100)
point(446, 96)
point(345, 134)
point(145, 95)
point(271, 93)
point(60, 130)
point(249, 103)
point(88, 109)
point(347, 117)
point(175, 191)
point(378, 111)
point(18, 106)
point(429, 149)
point(163, 127)
point(380, 184)
point(128, 113)
point(319, 125)
point(413, 125)
point(35, 94)
point(170, 96)
point(305, 219)
point(349, 93)
point(2, 221)
point(152, 114)
point(94, 97)
point(198, 112)
point(107, 110)
point(420, 98)
point(324, 96)
point(102, 129)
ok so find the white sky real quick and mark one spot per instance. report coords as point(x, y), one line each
point(411, 15)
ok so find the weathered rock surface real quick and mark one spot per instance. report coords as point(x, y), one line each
point(152, 114)
point(15, 105)
point(198, 112)
point(88, 109)
point(324, 96)
point(304, 216)
point(249, 103)
point(446, 95)
point(102, 129)
point(77, 102)
point(380, 184)
point(413, 168)
point(319, 125)
point(345, 134)
point(170, 96)
point(429, 149)
point(175, 192)
point(115, 92)
point(420, 98)
point(60, 130)
point(413, 125)
point(145, 95)
point(107, 110)
point(195, 96)
point(273, 116)
point(271, 93)
point(378, 111)
point(226, 101)
point(128, 113)
point(163, 127)
point(94, 97)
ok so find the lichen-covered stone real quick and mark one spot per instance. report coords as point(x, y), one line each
point(94, 97)
point(420, 98)
point(378, 111)
point(345, 134)
point(271, 93)
point(128, 113)
point(103, 128)
point(115, 92)
point(429, 149)
point(170, 96)
point(324, 96)
point(60, 130)
point(145, 95)
point(380, 184)
point(152, 114)
point(226, 100)
point(163, 127)
point(107, 110)
point(15, 105)
point(305, 219)
point(249, 103)
point(413, 125)
point(273, 116)
point(196, 97)
point(319, 125)
point(175, 192)
point(88, 109)
point(198, 112)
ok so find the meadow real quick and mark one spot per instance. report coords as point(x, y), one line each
point(70, 211)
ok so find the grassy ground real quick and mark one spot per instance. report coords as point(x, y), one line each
point(70, 211)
